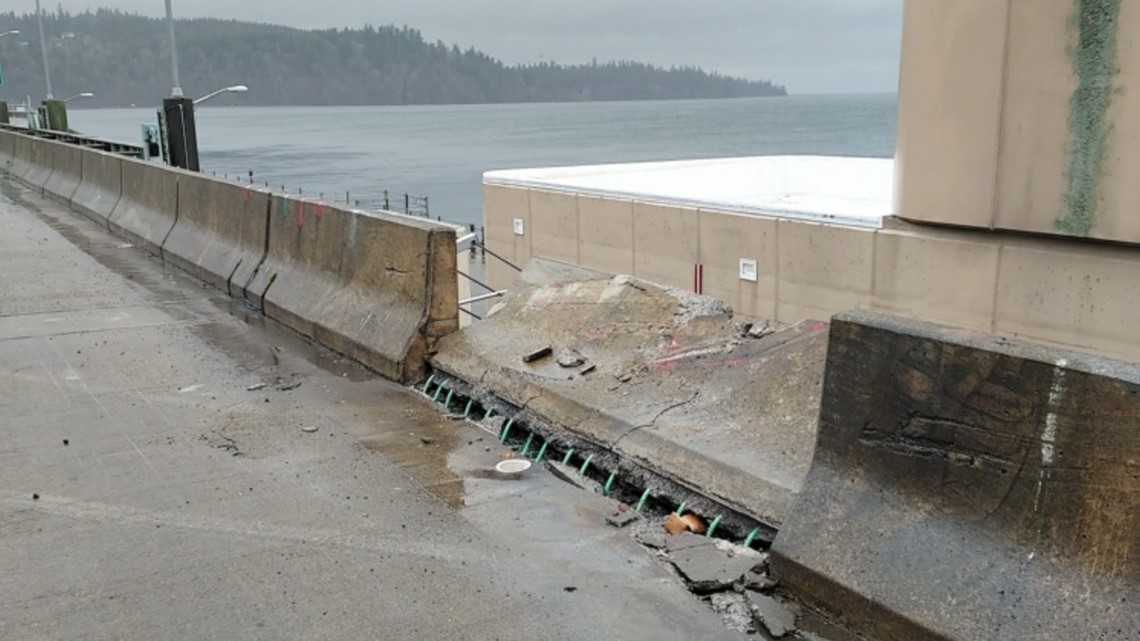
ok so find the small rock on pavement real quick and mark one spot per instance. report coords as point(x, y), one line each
point(309, 429)
point(770, 613)
point(427, 440)
point(569, 358)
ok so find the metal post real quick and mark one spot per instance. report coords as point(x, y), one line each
point(407, 204)
point(177, 91)
point(43, 49)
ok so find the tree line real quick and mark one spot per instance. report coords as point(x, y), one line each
point(123, 58)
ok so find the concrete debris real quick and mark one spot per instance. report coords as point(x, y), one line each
point(649, 535)
point(256, 387)
point(288, 387)
point(538, 354)
point(694, 306)
point(734, 610)
point(427, 440)
point(622, 518)
point(732, 549)
point(567, 357)
point(570, 475)
point(757, 331)
point(309, 429)
point(759, 581)
point(708, 570)
point(685, 541)
point(587, 370)
point(772, 614)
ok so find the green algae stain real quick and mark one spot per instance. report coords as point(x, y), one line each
point(1094, 64)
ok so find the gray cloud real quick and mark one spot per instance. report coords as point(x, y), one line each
point(812, 46)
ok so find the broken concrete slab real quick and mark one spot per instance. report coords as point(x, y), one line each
point(770, 613)
point(707, 569)
point(677, 389)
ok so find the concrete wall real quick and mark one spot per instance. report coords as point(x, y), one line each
point(1021, 115)
point(1059, 291)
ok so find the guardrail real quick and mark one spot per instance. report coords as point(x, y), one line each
point(90, 142)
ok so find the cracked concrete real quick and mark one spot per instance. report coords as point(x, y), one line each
point(677, 390)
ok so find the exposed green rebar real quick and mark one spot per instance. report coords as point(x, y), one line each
point(467, 412)
point(427, 385)
point(541, 452)
point(506, 431)
point(447, 403)
point(610, 482)
point(712, 526)
point(681, 508)
point(642, 500)
point(526, 446)
point(586, 465)
point(490, 412)
point(566, 459)
point(438, 391)
point(751, 537)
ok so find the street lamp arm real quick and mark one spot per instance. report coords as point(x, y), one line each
point(233, 89)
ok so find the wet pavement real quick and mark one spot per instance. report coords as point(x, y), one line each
point(172, 466)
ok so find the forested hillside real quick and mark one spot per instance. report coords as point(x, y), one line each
point(122, 58)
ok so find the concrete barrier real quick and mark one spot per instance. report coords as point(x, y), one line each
point(221, 232)
point(67, 171)
point(100, 187)
point(966, 487)
point(21, 156)
point(379, 288)
point(7, 142)
point(40, 155)
point(148, 208)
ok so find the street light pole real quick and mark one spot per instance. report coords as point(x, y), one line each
point(43, 48)
point(177, 91)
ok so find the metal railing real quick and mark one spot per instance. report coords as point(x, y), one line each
point(75, 138)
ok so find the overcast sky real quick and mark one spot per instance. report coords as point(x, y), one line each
point(811, 46)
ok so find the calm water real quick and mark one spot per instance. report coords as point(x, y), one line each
point(442, 152)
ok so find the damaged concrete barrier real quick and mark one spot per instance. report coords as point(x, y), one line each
point(100, 185)
point(380, 288)
point(664, 379)
point(969, 487)
point(221, 232)
point(67, 171)
point(148, 207)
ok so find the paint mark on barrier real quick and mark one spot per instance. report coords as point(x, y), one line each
point(301, 214)
point(320, 210)
point(1049, 435)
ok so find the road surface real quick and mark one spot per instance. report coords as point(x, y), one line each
point(147, 493)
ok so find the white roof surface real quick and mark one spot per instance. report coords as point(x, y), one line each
point(838, 190)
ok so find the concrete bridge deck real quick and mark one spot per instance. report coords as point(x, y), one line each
point(148, 490)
